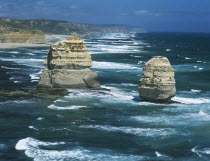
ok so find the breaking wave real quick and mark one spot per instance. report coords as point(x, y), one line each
point(134, 131)
point(32, 148)
point(191, 100)
point(66, 107)
point(110, 65)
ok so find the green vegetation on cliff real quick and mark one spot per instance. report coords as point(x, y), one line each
point(38, 26)
point(8, 26)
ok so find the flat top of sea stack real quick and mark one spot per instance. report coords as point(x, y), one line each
point(158, 61)
point(74, 38)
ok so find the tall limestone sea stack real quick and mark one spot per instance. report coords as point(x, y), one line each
point(158, 84)
point(68, 66)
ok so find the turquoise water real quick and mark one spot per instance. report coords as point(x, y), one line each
point(110, 125)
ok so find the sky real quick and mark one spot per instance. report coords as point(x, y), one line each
point(153, 15)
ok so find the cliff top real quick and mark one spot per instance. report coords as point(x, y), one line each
point(59, 27)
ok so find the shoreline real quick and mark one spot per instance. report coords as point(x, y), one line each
point(31, 45)
point(21, 45)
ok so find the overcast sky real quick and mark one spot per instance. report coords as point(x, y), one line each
point(153, 15)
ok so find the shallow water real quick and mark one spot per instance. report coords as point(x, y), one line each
point(110, 125)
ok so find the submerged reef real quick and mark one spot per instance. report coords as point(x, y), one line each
point(68, 66)
point(158, 84)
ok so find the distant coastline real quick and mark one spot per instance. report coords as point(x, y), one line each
point(15, 33)
point(48, 38)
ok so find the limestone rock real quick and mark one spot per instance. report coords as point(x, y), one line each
point(158, 84)
point(21, 38)
point(68, 66)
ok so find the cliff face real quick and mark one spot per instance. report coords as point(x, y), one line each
point(39, 26)
point(21, 38)
point(158, 84)
point(65, 27)
point(68, 66)
point(12, 31)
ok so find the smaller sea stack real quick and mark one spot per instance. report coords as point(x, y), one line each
point(68, 66)
point(158, 84)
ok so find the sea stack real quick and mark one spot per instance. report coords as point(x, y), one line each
point(158, 84)
point(68, 66)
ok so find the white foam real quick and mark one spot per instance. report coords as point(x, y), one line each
point(47, 50)
point(176, 120)
point(151, 132)
point(40, 118)
point(115, 95)
point(150, 119)
point(115, 36)
point(191, 100)
point(187, 58)
point(29, 142)
point(27, 62)
point(14, 52)
point(30, 54)
point(32, 148)
point(66, 107)
point(35, 76)
point(199, 61)
point(141, 62)
point(60, 100)
point(201, 113)
point(59, 116)
point(136, 56)
point(114, 48)
point(22, 60)
point(38, 60)
point(200, 68)
point(201, 152)
point(129, 84)
point(168, 49)
point(9, 68)
point(17, 102)
point(194, 90)
point(111, 65)
point(158, 154)
point(32, 127)
point(11, 78)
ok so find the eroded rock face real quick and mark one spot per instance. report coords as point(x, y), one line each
point(158, 84)
point(21, 38)
point(68, 66)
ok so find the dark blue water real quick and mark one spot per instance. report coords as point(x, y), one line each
point(110, 125)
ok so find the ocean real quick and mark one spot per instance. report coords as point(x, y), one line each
point(110, 125)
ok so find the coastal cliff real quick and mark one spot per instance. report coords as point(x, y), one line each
point(59, 27)
point(68, 66)
point(21, 38)
point(12, 31)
